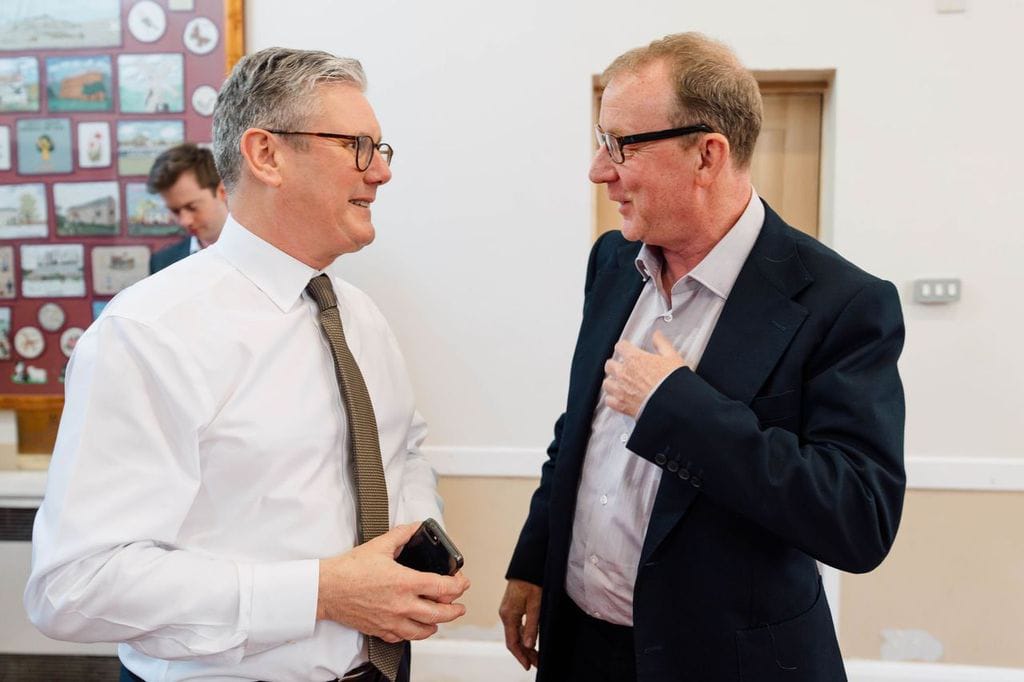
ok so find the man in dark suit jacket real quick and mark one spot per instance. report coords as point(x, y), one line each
point(186, 178)
point(171, 254)
point(734, 411)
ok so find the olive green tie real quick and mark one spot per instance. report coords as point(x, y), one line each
point(371, 488)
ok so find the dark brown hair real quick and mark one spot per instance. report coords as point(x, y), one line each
point(169, 166)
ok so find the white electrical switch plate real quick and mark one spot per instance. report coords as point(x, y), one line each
point(945, 290)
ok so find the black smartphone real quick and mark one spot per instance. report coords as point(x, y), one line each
point(431, 550)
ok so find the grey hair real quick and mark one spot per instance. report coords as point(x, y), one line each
point(274, 88)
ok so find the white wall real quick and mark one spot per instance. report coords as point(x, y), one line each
point(484, 231)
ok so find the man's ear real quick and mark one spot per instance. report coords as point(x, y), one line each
point(262, 153)
point(714, 157)
point(221, 193)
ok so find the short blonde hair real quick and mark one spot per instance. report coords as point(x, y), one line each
point(711, 86)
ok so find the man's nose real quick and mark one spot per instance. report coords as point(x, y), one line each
point(602, 170)
point(379, 171)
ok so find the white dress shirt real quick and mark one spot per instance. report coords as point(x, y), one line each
point(202, 468)
point(617, 487)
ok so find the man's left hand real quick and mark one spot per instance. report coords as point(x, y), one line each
point(632, 373)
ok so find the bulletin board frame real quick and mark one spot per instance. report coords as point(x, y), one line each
point(38, 409)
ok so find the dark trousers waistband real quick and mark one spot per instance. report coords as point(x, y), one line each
point(622, 634)
point(601, 651)
point(364, 673)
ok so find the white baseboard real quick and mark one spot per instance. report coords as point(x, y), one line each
point(452, 660)
point(885, 671)
point(931, 472)
point(487, 462)
point(924, 472)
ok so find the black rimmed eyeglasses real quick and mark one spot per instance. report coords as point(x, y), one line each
point(364, 144)
point(615, 143)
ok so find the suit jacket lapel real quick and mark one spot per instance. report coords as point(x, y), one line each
point(760, 317)
point(756, 325)
point(611, 300)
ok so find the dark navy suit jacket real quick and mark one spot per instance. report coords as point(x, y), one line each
point(785, 446)
point(170, 254)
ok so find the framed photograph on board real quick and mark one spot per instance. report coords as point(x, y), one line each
point(59, 24)
point(86, 209)
point(79, 83)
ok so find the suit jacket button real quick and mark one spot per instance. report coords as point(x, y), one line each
point(684, 473)
point(696, 482)
point(673, 466)
point(660, 459)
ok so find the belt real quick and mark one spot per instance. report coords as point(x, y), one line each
point(364, 673)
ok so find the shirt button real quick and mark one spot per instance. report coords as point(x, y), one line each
point(604, 499)
point(667, 317)
point(597, 614)
point(593, 559)
point(624, 438)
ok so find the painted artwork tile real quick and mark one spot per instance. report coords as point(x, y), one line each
point(79, 84)
point(23, 211)
point(44, 146)
point(94, 144)
point(52, 270)
point(59, 24)
point(147, 214)
point(147, 21)
point(140, 142)
point(97, 308)
point(7, 288)
point(5, 148)
point(201, 35)
point(151, 83)
point(117, 267)
point(19, 84)
point(86, 209)
point(5, 328)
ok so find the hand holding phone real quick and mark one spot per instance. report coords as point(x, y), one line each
point(431, 550)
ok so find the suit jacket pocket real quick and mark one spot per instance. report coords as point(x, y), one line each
point(800, 649)
point(776, 407)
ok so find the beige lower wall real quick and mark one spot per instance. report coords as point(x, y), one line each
point(484, 517)
point(956, 571)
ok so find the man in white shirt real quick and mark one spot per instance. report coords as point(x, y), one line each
point(186, 178)
point(200, 507)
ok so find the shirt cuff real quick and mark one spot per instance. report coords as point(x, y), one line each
point(282, 604)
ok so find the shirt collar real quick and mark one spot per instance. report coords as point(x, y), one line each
point(275, 273)
point(720, 268)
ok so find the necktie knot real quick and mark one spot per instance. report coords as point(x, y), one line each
point(321, 291)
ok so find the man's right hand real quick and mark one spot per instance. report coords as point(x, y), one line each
point(520, 612)
point(368, 591)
